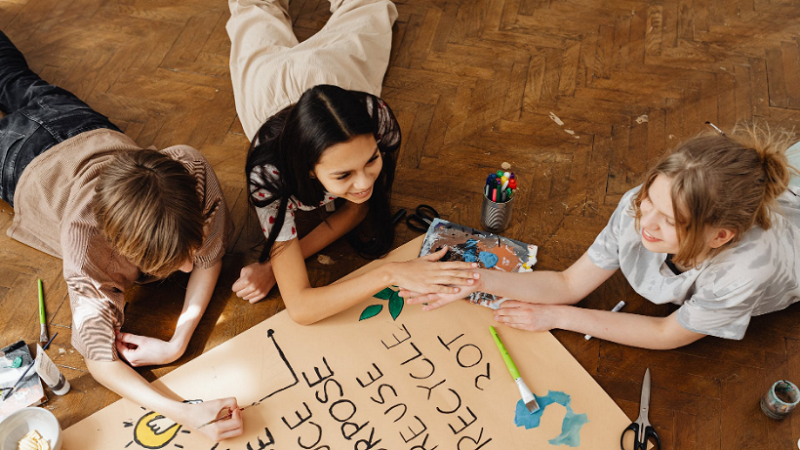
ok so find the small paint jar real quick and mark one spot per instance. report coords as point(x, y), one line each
point(780, 400)
point(495, 215)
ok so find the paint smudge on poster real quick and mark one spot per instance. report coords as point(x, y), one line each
point(570, 427)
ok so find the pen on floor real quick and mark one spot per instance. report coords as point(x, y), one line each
point(616, 308)
point(10, 391)
point(42, 322)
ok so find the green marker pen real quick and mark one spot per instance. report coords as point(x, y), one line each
point(42, 322)
point(527, 395)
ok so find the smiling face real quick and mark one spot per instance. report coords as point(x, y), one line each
point(349, 169)
point(658, 219)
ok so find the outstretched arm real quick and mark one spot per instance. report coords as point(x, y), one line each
point(545, 287)
point(257, 279)
point(635, 330)
point(143, 350)
point(307, 305)
point(120, 378)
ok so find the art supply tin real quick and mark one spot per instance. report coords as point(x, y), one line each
point(780, 400)
point(496, 216)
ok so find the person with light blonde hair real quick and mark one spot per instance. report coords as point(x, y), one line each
point(116, 214)
point(714, 228)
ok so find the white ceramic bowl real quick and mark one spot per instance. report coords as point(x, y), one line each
point(17, 425)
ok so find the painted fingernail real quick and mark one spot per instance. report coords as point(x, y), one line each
point(456, 290)
point(474, 264)
point(476, 275)
point(470, 281)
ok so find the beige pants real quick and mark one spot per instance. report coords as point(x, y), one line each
point(270, 69)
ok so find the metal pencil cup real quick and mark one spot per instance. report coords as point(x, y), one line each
point(780, 400)
point(495, 217)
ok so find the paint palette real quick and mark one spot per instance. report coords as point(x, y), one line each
point(489, 250)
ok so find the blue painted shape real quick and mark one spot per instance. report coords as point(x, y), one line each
point(470, 257)
point(489, 260)
point(570, 427)
point(525, 418)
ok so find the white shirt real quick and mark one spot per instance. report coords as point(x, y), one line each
point(758, 275)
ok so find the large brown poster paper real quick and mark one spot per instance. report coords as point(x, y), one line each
point(420, 381)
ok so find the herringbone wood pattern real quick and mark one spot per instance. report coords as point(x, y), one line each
point(474, 83)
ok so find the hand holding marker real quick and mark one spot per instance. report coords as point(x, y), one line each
point(500, 186)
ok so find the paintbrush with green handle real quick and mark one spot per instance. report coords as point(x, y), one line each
point(527, 395)
point(42, 322)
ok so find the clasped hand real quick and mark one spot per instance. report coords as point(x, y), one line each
point(255, 281)
point(145, 351)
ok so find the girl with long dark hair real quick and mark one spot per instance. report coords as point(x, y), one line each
point(323, 134)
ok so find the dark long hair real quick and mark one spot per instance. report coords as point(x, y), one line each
point(294, 139)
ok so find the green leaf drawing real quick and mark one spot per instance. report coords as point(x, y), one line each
point(370, 311)
point(395, 306)
point(385, 294)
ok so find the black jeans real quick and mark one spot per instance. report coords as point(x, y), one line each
point(39, 116)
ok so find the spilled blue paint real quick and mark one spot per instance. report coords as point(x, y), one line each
point(489, 260)
point(570, 427)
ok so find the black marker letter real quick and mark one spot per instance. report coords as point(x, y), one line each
point(464, 422)
point(355, 429)
point(431, 388)
point(419, 353)
point(482, 376)
point(405, 410)
point(320, 378)
point(398, 341)
point(458, 399)
point(424, 443)
point(302, 419)
point(477, 442)
point(458, 355)
point(433, 369)
point(319, 437)
point(367, 444)
point(416, 434)
point(447, 346)
point(371, 377)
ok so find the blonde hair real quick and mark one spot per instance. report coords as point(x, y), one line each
point(148, 207)
point(723, 181)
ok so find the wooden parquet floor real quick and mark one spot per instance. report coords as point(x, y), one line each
point(579, 96)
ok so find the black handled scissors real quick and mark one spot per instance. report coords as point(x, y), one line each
point(642, 430)
point(422, 218)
